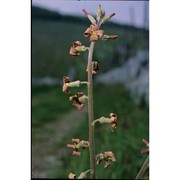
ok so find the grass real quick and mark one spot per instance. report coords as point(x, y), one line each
point(125, 142)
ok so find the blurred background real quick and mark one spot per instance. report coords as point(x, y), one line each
point(121, 86)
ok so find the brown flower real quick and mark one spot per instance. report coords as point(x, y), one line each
point(106, 156)
point(67, 83)
point(76, 145)
point(65, 87)
point(113, 125)
point(76, 48)
point(94, 33)
point(78, 100)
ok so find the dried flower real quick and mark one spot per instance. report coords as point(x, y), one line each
point(76, 48)
point(106, 156)
point(113, 125)
point(145, 151)
point(94, 33)
point(78, 100)
point(72, 176)
point(65, 87)
point(67, 83)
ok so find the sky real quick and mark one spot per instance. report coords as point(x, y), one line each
point(127, 12)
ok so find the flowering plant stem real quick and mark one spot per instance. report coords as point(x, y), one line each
point(143, 169)
point(91, 112)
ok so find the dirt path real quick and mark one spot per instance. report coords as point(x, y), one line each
point(46, 140)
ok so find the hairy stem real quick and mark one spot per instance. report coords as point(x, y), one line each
point(143, 169)
point(91, 112)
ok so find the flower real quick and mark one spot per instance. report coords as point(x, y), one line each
point(72, 176)
point(112, 121)
point(65, 86)
point(95, 67)
point(78, 100)
point(94, 32)
point(113, 118)
point(76, 48)
point(67, 83)
point(106, 156)
point(145, 151)
point(76, 145)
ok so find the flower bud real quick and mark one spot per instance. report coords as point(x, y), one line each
point(108, 37)
point(100, 13)
point(106, 18)
point(91, 18)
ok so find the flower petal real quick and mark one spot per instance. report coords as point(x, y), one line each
point(93, 38)
point(74, 52)
point(93, 27)
point(100, 33)
point(87, 32)
point(77, 43)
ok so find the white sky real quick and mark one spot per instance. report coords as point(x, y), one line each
point(121, 8)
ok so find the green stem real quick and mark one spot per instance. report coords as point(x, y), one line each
point(91, 112)
point(143, 169)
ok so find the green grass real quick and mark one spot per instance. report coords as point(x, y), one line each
point(125, 142)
